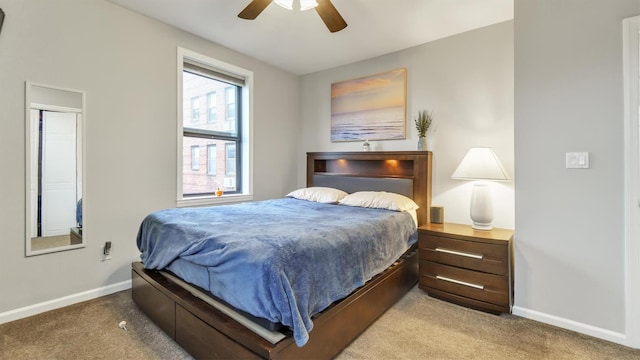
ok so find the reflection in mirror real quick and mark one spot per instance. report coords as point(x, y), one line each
point(55, 163)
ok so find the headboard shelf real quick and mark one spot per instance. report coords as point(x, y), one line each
point(358, 175)
point(404, 172)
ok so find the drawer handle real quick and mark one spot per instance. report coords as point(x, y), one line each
point(475, 286)
point(475, 256)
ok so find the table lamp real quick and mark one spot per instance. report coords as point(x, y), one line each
point(481, 164)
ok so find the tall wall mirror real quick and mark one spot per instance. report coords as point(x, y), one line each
point(54, 169)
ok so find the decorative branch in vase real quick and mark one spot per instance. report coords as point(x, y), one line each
point(423, 121)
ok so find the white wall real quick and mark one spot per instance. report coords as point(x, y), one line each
point(126, 63)
point(568, 97)
point(466, 80)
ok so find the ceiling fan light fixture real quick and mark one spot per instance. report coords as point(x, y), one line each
point(287, 4)
point(325, 9)
point(307, 4)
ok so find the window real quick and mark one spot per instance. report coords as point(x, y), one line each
point(230, 150)
point(197, 84)
point(230, 100)
point(195, 110)
point(212, 109)
point(201, 77)
point(212, 162)
point(195, 157)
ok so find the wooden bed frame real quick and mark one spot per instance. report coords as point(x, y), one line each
point(207, 333)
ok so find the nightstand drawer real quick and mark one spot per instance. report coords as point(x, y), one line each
point(489, 258)
point(471, 284)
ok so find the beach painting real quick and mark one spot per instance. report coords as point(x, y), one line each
point(369, 108)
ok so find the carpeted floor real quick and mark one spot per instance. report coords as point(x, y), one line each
point(40, 243)
point(417, 327)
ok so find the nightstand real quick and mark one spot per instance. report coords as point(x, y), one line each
point(465, 266)
point(75, 235)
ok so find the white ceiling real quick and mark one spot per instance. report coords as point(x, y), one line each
point(300, 43)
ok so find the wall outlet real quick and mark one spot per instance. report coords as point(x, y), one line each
point(105, 251)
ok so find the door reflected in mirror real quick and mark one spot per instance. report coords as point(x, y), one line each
point(55, 165)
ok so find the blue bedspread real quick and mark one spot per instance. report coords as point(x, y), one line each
point(283, 260)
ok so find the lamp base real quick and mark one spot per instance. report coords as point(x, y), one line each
point(479, 226)
point(481, 206)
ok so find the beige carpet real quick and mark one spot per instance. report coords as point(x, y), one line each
point(417, 327)
point(40, 243)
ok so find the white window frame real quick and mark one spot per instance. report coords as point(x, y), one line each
point(247, 130)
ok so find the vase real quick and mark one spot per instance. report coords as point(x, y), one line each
point(422, 143)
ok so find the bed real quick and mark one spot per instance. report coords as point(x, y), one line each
point(209, 332)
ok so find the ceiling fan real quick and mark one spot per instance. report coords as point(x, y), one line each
point(328, 13)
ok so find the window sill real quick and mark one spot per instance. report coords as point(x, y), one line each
point(213, 200)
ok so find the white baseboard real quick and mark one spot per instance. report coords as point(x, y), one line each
point(590, 330)
point(35, 309)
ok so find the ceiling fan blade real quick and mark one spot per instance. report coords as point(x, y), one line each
point(330, 16)
point(254, 9)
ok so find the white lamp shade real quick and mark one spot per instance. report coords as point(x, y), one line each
point(481, 163)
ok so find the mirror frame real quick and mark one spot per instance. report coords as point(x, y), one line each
point(29, 105)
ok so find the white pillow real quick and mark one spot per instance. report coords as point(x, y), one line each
point(319, 194)
point(379, 200)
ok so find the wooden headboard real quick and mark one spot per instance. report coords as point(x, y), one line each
point(404, 172)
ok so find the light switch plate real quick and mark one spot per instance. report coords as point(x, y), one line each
point(577, 160)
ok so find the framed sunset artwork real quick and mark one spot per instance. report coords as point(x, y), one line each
point(370, 108)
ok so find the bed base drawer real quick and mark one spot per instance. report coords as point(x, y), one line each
point(204, 342)
point(157, 306)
